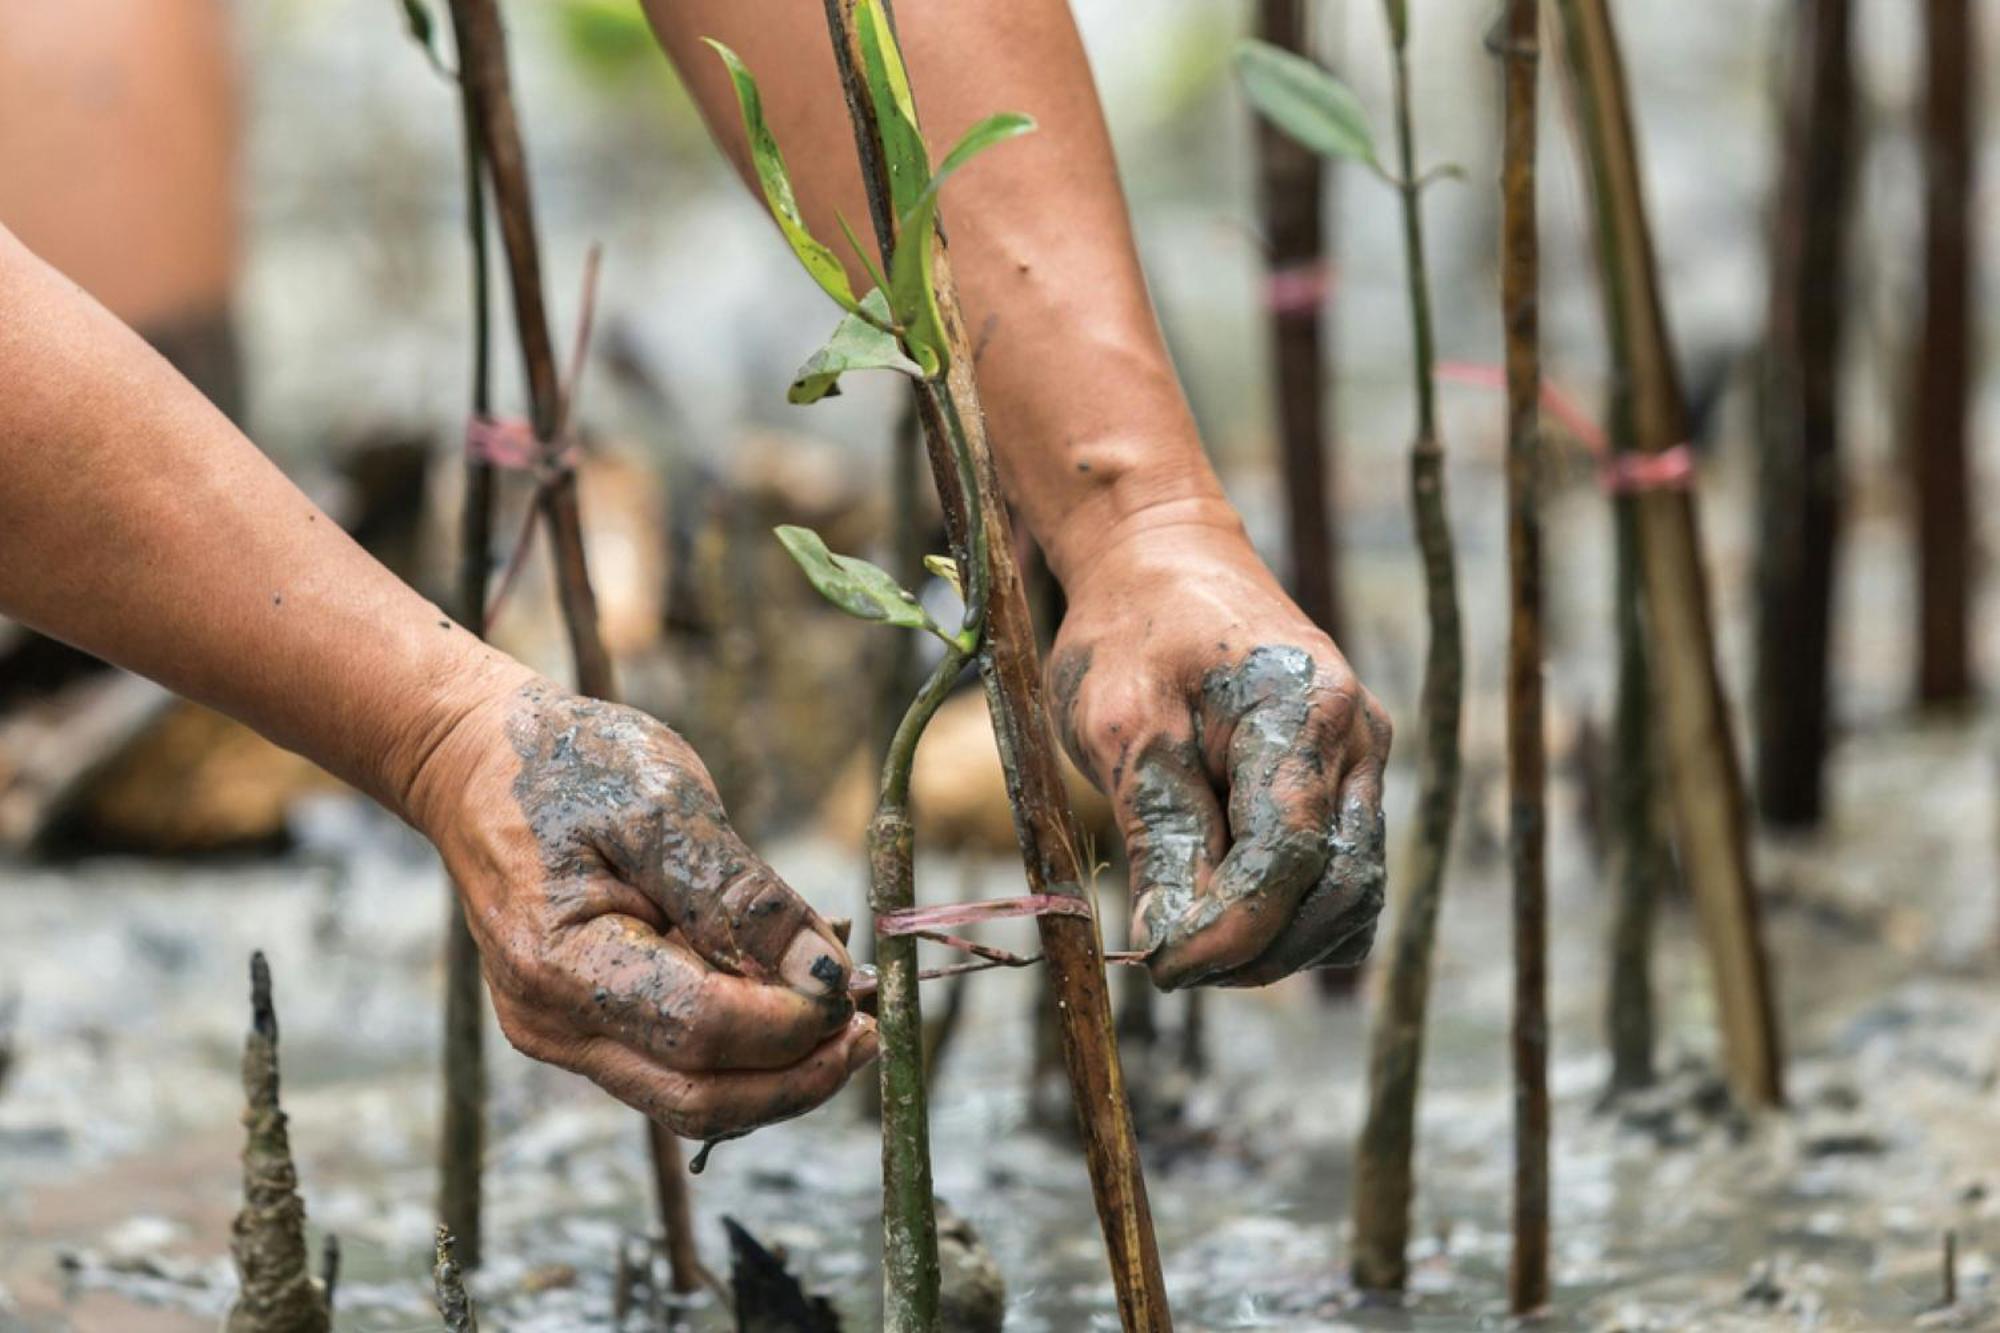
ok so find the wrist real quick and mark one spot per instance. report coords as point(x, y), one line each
point(1130, 488)
point(441, 735)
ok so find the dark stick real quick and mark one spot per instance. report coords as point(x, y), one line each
point(1051, 843)
point(1799, 495)
point(1943, 379)
point(1527, 758)
point(462, 1136)
point(1383, 1171)
point(483, 69)
point(1705, 782)
point(1290, 181)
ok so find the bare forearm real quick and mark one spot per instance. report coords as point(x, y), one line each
point(1087, 416)
point(138, 524)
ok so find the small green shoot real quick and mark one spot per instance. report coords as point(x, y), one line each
point(858, 343)
point(1306, 102)
point(862, 590)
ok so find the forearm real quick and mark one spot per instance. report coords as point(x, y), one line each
point(139, 525)
point(1087, 417)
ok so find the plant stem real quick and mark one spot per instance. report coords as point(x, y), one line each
point(1051, 844)
point(1383, 1173)
point(462, 1136)
point(448, 1280)
point(483, 70)
point(1799, 497)
point(1943, 380)
point(1705, 782)
point(909, 1216)
point(1527, 758)
point(1290, 185)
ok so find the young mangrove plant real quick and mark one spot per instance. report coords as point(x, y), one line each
point(1527, 757)
point(268, 1240)
point(1705, 781)
point(1318, 110)
point(909, 322)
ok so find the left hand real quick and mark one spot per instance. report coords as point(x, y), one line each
point(1241, 756)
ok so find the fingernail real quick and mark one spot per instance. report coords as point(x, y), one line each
point(810, 968)
point(864, 1050)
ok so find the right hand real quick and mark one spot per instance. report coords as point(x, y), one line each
point(626, 932)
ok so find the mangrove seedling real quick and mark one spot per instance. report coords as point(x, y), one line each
point(909, 322)
point(1314, 107)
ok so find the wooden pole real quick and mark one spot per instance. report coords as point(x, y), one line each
point(1384, 1177)
point(483, 68)
point(1942, 381)
point(462, 1136)
point(1711, 823)
point(1051, 842)
point(1290, 190)
point(1527, 759)
point(1799, 498)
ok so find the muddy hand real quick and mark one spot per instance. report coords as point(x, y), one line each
point(1242, 758)
point(626, 931)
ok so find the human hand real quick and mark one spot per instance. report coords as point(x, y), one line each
point(1242, 758)
point(626, 932)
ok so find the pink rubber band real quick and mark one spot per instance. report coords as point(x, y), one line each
point(922, 920)
point(1633, 473)
point(1298, 289)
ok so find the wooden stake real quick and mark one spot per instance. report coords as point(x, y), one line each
point(1705, 781)
point(462, 1136)
point(1527, 758)
point(1290, 190)
point(1051, 843)
point(1942, 381)
point(483, 70)
point(1799, 495)
point(1384, 1178)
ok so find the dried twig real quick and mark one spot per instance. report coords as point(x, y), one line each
point(449, 1282)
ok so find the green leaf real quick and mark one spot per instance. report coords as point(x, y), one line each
point(946, 568)
point(903, 148)
point(423, 30)
point(862, 253)
point(1305, 101)
point(864, 591)
point(912, 290)
point(856, 344)
point(776, 183)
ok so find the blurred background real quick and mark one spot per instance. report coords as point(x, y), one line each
point(271, 193)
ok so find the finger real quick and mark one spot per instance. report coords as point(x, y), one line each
point(1286, 732)
point(655, 994)
point(1335, 922)
point(739, 916)
point(1174, 834)
point(727, 1103)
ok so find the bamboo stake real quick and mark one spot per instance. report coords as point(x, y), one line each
point(1942, 382)
point(1527, 759)
point(483, 69)
point(462, 1136)
point(1290, 190)
point(1639, 857)
point(1383, 1172)
point(1704, 780)
point(1051, 845)
point(1799, 497)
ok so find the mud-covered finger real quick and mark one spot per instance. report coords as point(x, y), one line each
point(727, 1103)
point(742, 918)
point(655, 994)
point(1174, 832)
